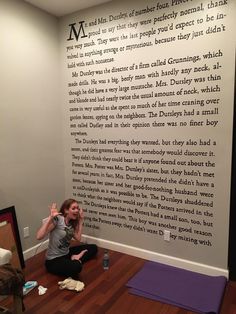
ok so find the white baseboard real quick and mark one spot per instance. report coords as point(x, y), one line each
point(147, 255)
point(35, 249)
point(156, 257)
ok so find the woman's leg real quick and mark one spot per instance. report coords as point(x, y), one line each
point(64, 266)
point(91, 251)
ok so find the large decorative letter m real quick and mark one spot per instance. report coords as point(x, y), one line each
point(74, 33)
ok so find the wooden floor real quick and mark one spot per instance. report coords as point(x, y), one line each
point(105, 291)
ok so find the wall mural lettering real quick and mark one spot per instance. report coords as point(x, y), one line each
point(147, 101)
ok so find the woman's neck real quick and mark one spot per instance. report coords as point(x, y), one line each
point(67, 220)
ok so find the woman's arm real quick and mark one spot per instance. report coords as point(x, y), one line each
point(79, 226)
point(48, 226)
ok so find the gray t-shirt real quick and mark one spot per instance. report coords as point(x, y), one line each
point(59, 238)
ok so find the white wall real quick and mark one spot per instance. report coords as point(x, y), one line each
point(31, 125)
point(119, 47)
point(31, 154)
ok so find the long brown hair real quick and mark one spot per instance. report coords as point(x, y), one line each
point(66, 205)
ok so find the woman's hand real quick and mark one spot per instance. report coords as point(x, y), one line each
point(53, 210)
point(48, 226)
point(81, 213)
point(78, 229)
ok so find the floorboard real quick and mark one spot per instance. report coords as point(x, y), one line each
point(105, 291)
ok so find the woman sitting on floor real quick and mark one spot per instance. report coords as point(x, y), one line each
point(62, 226)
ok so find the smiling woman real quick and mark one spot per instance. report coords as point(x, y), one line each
point(62, 226)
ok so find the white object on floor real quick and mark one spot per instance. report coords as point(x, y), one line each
point(71, 284)
point(28, 286)
point(42, 290)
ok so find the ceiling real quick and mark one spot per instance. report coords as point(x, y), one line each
point(63, 7)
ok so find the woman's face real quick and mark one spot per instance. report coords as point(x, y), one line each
point(73, 211)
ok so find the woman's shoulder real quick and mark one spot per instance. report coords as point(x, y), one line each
point(59, 220)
